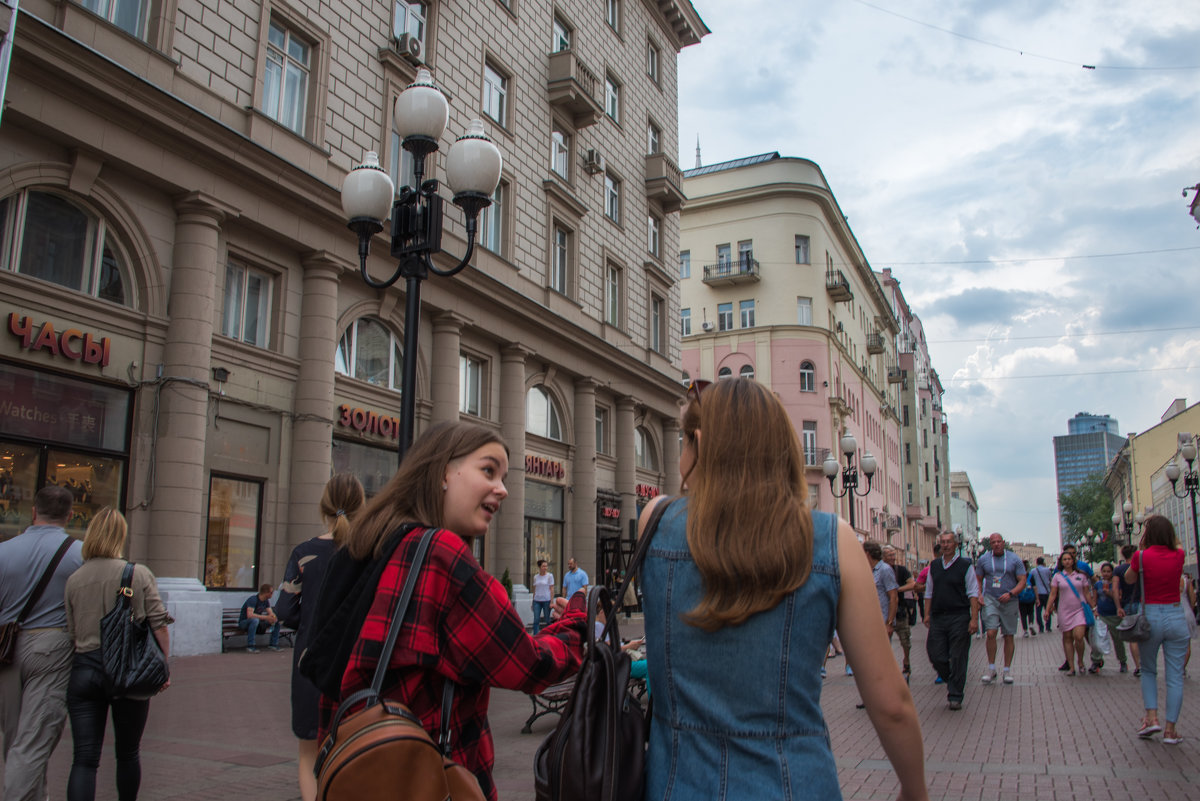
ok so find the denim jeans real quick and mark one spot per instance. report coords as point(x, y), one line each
point(540, 609)
point(261, 626)
point(88, 705)
point(1168, 630)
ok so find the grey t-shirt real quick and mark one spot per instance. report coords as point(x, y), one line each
point(23, 559)
point(885, 580)
point(998, 575)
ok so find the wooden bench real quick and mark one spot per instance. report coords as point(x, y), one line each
point(229, 629)
point(549, 701)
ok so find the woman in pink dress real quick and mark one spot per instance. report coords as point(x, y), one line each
point(1071, 620)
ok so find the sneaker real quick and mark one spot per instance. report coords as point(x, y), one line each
point(988, 675)
point(849, 672)
point(274, 648)
point(1149, 730)
point(1033, 634)
point(939, 680)
point(1137, 671)
point(955, 705)
point(252, 650)
point(1124, 668)
point(822, 672)
point(1026, 634)
point(1094, 669)
point(1174, 739)
point(1065, 666)
point(1008, 679)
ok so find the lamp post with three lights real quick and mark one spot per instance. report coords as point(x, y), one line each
point(473, 167)
point(866, 463)
point(1191, 484)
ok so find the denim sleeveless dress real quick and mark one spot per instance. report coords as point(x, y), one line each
point(737, 712)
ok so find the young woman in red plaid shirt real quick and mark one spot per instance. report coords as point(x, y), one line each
point(461, 625)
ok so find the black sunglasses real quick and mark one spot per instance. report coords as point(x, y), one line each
point(696, 386)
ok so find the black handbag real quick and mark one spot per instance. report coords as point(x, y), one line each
point(598, 750)
point(134, 663)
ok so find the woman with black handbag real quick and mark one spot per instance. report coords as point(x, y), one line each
point(91, 592)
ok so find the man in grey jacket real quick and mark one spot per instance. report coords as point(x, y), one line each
point(33, 689)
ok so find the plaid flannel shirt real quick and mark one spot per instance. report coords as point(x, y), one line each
point(460, 625)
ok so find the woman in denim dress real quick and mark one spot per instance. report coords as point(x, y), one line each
point(743, 587)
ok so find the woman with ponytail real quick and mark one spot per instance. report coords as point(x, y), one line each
point(342, 499)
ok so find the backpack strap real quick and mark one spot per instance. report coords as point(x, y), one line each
point(401, 611)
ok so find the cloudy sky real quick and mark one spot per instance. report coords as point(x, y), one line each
point(1032, 209)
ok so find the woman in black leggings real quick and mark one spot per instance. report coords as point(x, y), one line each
point(1026, 602)
point(91, 592)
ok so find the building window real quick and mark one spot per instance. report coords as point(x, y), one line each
point(541, 414)
point(409, 18)
point(561, 265)
point(612, 295)
point(724, 316)
point(724, 372)
point(746, 307)
point(652, 57)
point(808, 439)
point(747, 371)
point(491, 220)
point(234, 525)
point(724, 257)
point(653, 139)
point(657, 320)
point(128, 15)
point(602, 430)
point(804, 311)
point(685, 322)
point(745, 254)
point(612, 98)
point(654, 236)
point(643, 449)
point(495, 94)
point(802, 256)
point(908, 453)
point(612, 14)
point(247, 305)
point(905, 414)
point(285, 82)
point(685, 264)
point(401, 165)
point(808, 377)
point(910, 494)
point(612, 198)
point(560, 152)
point(470, 385)
point(370, 352)
point(48, 237)
point(560, 37)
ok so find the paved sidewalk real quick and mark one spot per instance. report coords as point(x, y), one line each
point(223, 731)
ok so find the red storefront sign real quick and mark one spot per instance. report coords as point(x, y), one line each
point(368, 422)
point(71, 343)
point(647, 491)
point(541, 467)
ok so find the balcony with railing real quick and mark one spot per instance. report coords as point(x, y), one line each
point(814, 458)
point(875, 343)
point(838, 286)
point(729, 273)
point(894, 374)
point(664, 182)
point(573, 89)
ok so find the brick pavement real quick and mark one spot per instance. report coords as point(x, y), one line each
point(222, 731)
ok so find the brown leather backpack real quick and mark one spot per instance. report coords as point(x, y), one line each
point(382, 752)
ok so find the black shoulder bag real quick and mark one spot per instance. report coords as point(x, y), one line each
point(598, 750)
point(134, 663)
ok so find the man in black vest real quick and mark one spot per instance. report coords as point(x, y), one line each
point(951, 615)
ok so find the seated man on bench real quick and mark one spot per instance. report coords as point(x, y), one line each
point(257, 616)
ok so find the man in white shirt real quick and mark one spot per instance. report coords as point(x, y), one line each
point(951, 615)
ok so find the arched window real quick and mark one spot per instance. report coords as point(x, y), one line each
point(643, 449)
point(541, 415)
point(48, 237)
point(808, 377)
point(370, 352)
point(724, 372)
point(747, 371)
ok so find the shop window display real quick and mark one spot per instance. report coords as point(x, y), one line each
point(94, 482)
point(543, 527)
point(234, 520)
point(373, 466)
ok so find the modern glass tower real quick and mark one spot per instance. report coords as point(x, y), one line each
point(1091, 442)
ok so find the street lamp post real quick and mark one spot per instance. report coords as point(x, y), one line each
point(1191, 483)
point(850, 472)
point(473, 171)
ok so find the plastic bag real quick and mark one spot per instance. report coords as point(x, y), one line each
point(1100, 639)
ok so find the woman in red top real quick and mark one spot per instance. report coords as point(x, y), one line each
point(1159, 565)
point(461, 626)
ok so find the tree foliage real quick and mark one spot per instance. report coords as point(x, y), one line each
point(1089, 505)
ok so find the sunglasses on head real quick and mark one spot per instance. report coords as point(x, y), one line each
point(696, 386)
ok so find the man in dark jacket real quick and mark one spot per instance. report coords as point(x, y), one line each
point(951, 615)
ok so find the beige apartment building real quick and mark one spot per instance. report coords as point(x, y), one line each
point(775, 286)
point(187, 337)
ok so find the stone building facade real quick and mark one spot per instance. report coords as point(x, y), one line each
point(186, 334)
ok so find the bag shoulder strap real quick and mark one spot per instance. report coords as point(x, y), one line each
point(125, 593)
point(401, 611)
point(1071, 584)
point(45, 579)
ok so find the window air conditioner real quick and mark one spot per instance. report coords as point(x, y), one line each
point(707, 325)
point(409, 47)
point(593, 162)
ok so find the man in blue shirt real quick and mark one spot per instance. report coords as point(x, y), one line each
point(257, 616)
point(1001, 575)
point(1040, 577)
point(575, 579)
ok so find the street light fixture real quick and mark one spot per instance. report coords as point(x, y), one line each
point(1191, 483)
point(473, 171)
point(866, 463)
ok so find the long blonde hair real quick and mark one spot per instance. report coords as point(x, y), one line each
point(749, 529)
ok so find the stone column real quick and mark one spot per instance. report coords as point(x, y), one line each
point(670, 454)
point(444, 388)
point(581, 531)
point(626, 464)
point(177, 513)
point(507, 549)
point(312, 433)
